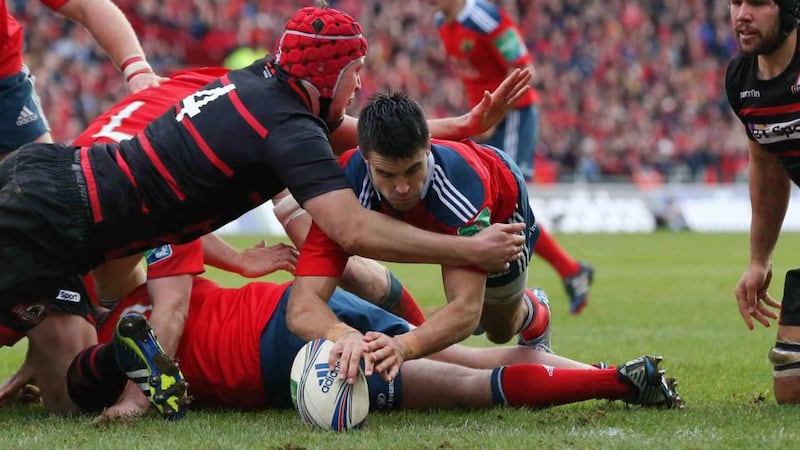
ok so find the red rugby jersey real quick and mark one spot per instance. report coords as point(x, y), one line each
point(483, 43)
point(220, 347)
point(11, 38)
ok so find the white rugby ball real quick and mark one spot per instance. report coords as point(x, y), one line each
point(320, 397)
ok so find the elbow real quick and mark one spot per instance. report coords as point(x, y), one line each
point(349, 238)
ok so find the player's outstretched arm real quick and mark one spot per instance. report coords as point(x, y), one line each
point(481, 118)
point(308, 316)
point(451, 324)
point(488, 112)
point(112, 31)
point(769, 198)
point(252, 262)
point(368, 233)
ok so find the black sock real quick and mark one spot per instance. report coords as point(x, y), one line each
point(94, 381)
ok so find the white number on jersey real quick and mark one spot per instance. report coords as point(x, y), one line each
point(108, 130)
point(192, 104)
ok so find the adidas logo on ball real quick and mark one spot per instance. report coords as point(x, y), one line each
point(321, 399)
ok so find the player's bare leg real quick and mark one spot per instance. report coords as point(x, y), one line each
point(491, 357)
point(51, 347)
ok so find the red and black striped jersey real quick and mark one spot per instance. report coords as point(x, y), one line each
point(219, 152)
point(133, 113)
point(769, 109)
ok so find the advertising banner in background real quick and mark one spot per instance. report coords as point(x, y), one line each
point(607, 208)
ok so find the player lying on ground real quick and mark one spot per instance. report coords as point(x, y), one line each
point(237, 352)
point(219, 152)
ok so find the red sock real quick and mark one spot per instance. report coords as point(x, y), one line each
point(408, 309)
point(538, 386)
point(540, 321)
point(548, 249)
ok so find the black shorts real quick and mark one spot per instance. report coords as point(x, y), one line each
point(44, 225)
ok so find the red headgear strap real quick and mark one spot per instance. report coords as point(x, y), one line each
point(318, 44)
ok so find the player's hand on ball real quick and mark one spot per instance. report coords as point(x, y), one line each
point(386, 352)
point(349, 349)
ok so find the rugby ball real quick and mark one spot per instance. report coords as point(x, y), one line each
point(320, 397)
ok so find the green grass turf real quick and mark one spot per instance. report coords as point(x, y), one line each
point(662, 293)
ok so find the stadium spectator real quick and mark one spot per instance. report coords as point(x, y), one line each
point(184, 176)
point(23, 119)
point(762, 87)
point(624, 84)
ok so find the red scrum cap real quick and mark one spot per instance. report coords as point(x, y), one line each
point(318, 44)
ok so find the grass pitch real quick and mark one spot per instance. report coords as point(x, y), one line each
point(664, 293)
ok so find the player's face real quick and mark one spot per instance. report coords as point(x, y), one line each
point(757, 23)
point(399, 180)
point(345, 93)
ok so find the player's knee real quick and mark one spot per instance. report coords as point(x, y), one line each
point(499, 336)
point(785, 360)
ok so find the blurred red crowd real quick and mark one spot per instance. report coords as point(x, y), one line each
point(630, 90)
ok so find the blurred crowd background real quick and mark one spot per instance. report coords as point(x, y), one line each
point(632, 90)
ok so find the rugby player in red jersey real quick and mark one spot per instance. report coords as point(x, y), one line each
point(221, 150)
point(237, 352)
point(484, 44)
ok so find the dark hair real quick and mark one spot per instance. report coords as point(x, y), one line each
point(790, 16)
point(392, 125)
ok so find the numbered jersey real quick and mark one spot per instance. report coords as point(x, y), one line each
point(216, 154)
point(136, 111)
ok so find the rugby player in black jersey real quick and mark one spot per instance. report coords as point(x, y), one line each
point(218, 153)
point(763, 88)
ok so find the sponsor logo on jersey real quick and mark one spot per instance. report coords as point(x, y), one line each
point(481, 221)
point(158, 254)
point(29, 313)
point(68, 296)
point(510, 45)
point(467, 45)
point(750, 93)
point(26, 115)
point(770, 133)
